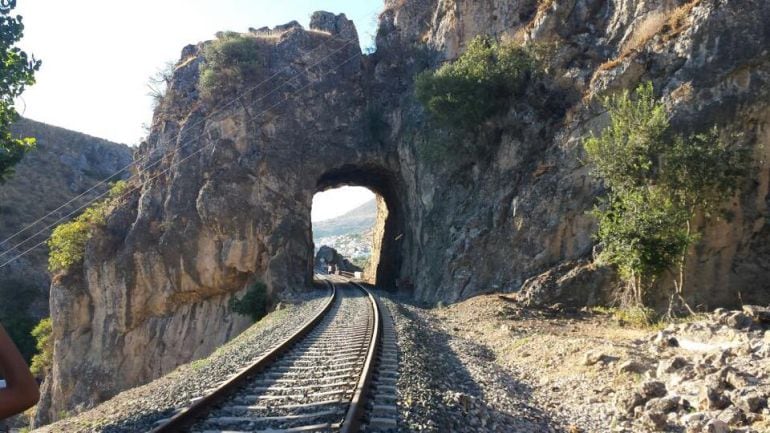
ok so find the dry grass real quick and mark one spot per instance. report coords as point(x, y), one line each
point(543, 6)
point(668, 24)
point(677, 21)
point(611, 64)
point(651, 25)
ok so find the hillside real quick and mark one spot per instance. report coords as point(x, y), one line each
point(64, 165)
point(356, 221)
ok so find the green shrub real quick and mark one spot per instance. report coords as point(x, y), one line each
point(253, 303)
point(658, 181)
point(228, 62)
point(67, 244)
point(43, 360)
point(480, 84)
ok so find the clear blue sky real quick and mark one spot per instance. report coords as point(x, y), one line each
point(98, 54)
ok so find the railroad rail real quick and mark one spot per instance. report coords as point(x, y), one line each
point(316, 380)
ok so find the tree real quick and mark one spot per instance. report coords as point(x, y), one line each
point(657, 182)
point(159, 82)
point(17, 72)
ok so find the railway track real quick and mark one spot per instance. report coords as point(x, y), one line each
point(317, 380)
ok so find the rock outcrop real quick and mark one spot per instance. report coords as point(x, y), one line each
point(229, 197)
point(328, 256)
point(572, 283)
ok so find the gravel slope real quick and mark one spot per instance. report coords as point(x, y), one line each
point(452, 384)
point(137, 409)
point(488, 365)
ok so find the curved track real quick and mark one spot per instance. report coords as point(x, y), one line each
point(316, 380)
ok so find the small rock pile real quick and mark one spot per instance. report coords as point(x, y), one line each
point(711, 376)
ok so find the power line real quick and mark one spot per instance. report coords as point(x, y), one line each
point(147, 156)
point(160, 158)
point(125, 194)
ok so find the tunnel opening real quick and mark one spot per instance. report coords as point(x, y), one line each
point(340, 199)
point(344, 235)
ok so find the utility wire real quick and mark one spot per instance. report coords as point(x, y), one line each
point(160, 158)
point(125, 194)
point(142, 159)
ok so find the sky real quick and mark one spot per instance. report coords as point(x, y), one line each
point(335, 202)
point(99, 54)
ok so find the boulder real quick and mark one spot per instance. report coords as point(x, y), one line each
point(329, 256)
point(633, 366)
point(572, 284)
point(732, 416)
point(757, 314)
point(652, 389)
point(627, 401)
point(593, 357)
point(671, 365)
point(750, 401)
point(716, 426)
point(738, 320)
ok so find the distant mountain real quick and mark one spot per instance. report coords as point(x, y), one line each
point(64, 165)
point(357, 221)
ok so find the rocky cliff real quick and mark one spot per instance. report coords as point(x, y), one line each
point(228, 200)
point(64, 165)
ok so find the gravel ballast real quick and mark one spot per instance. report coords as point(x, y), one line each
point(450, 384)
point(138, 409)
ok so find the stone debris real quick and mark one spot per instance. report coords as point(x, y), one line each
point(718, 382)
point(584, 372)
point(757, 314)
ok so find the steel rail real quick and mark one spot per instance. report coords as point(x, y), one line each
point(190, 415)
point(352, 422)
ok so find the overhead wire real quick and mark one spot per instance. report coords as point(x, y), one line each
point(131, 190)
point(142, 159)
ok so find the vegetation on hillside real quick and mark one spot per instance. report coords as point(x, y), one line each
point(17, 72)
point(43, 359)
point(480, 84)
point(229, 61)
point(253, 303)
point(658, 181)
point(67, 244)
point(16, 297)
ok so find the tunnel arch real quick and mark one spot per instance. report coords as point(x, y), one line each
point(385, 184)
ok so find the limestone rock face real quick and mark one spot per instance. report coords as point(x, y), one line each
point(227, 188)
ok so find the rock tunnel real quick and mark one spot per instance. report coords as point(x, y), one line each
point(389, 228)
